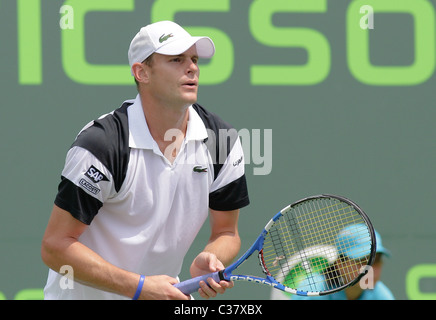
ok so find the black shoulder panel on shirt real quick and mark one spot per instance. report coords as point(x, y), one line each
point(108, 140)
point(230, 197)
point(221, 137)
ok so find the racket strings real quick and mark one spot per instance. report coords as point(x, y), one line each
point(304, 250)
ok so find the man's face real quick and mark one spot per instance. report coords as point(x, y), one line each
point(173, 80)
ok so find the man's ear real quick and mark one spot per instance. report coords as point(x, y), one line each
point(140, 73)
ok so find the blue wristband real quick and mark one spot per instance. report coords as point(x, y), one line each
point(139, 288)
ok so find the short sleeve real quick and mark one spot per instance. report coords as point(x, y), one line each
point(229, 190)
point(85, 185)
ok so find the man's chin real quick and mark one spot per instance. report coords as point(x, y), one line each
point(191, 100)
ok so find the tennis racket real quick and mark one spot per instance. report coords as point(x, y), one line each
point(315, 246)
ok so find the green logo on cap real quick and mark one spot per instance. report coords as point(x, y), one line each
point(165, 37)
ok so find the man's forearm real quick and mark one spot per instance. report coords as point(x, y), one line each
point(88, 267)
point(225, 246)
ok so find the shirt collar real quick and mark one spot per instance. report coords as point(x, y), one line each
point(139, 133)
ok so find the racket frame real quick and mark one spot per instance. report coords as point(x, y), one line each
point(269, 280)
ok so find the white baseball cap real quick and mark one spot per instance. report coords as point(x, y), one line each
point(168, 38)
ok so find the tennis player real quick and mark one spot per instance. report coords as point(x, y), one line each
point(139, 182)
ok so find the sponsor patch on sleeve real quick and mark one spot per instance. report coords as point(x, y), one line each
point(88, 186)
point(95, 175)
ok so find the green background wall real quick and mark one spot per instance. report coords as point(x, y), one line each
point(351, 112)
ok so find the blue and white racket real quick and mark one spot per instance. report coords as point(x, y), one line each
point(315, 246)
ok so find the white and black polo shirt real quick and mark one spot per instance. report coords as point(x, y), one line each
point(144, 212)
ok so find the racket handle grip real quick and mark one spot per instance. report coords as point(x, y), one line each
point(192, 285)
